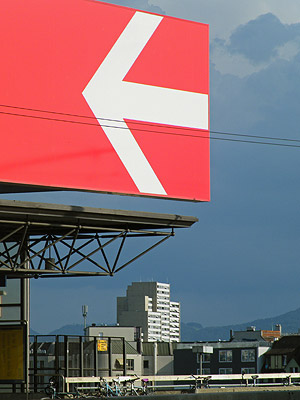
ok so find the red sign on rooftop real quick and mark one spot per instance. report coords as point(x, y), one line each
point(103, 98)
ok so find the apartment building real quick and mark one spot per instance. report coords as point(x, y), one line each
point(148, 305)
point(174, 321)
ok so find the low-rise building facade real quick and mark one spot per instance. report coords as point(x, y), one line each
point(284, 356)
point(226, 358)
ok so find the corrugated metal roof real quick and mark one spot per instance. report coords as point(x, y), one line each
point(148, 349)
point(52, 218)
point(163, 348)
point(117, 347)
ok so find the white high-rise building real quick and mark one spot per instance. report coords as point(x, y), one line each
point(148, 305)
point(174, 321)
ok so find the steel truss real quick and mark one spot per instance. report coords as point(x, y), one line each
point(51, 240)
point(52, 255)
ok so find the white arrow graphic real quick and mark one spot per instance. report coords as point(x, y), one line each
point(110, 97)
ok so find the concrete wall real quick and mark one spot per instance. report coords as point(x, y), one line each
point(112, 331)
point(260, 357)
point(135, 318)
point(165, 365)
point(117, 367)
point(222, 395)
point(137, 364)
point(292, 366)
point(209, 394)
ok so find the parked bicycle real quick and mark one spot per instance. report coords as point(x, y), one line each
point(51, 389)
point(201, 382)
point(110, 390)
point(119, 387)
point(131, 389)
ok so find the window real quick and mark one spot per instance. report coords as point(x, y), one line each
point(130, 364)
point(205, 357)
point(284, 360)
point(146, 363)
point(248, 370)
point(225, 355)
point(119, 363)
point(225, 371)
point(248, 355)
point(205, 371)
point(10, 302)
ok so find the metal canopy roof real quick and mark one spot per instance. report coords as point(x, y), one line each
point(29, 231)
point(41, 217)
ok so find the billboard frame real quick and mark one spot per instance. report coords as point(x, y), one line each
point(13, 326)
point(151, 144)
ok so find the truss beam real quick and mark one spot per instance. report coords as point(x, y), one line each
point(53, 241)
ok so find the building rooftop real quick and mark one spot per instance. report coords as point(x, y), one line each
point(163, 348)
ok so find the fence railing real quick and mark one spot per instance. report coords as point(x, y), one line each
point(61, 356)
point(169, 382)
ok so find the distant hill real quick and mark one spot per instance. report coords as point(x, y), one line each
point(32, 332)
point(192, 331)
point(74, 329)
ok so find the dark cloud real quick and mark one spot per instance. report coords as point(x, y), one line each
point(241, 261)
point(255, 188)
point(137, 4)
point(259, 39)
point(266, 101)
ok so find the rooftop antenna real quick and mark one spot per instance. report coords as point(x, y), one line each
point(84, 314)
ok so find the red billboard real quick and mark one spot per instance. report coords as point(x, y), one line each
point(103, 98)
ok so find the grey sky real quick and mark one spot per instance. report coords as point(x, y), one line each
point(225, 16)
point(241, 261)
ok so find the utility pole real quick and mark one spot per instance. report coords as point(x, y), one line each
point(84, 314)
